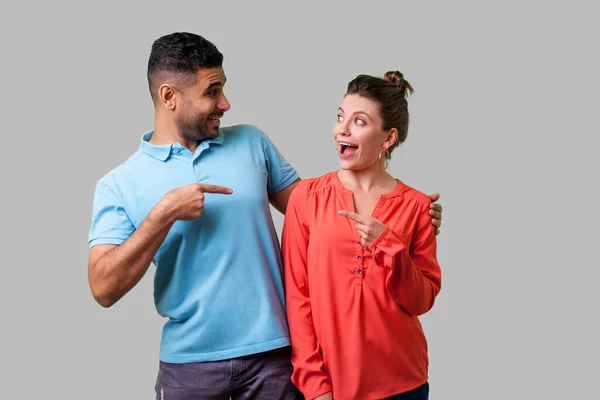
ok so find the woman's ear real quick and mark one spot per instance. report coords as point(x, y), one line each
point(391, 138)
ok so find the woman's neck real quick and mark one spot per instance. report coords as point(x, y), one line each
point(367, 180)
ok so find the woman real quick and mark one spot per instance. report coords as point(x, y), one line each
point(360, 259)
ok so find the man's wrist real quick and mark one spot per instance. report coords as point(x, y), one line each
point(161, 216)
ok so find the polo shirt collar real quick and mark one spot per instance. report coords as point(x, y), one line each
point(163, 151)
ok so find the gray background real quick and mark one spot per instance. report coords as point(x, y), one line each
point(503, 126)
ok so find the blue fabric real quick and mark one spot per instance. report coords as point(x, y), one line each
point(218, 278)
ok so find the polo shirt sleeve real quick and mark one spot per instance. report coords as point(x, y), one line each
point(110, 222)
point(281, 174)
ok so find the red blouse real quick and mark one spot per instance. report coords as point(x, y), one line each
point(353, 310)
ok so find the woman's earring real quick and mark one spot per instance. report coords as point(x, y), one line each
point(387, 158)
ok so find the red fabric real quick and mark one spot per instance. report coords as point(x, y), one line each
point(353, 310)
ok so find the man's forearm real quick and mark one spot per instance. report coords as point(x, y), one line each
point(120, 269)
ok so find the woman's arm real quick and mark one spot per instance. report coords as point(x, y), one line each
point(415, 277)
point(308, 375)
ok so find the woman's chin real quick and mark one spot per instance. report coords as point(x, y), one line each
point(344, 164)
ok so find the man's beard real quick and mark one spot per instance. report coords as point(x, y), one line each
point(194, 130)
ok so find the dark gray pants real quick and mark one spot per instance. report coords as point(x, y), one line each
point(258, 376)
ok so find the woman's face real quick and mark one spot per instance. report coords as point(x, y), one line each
point(358, 132)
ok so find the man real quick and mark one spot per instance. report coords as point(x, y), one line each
point(194, 198)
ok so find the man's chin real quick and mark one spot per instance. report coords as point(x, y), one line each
point(206, 134)
point(211, 132)
point(211, 135)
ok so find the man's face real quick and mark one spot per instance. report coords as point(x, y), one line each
point(201, 105)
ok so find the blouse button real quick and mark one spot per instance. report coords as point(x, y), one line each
point(359, 257)
point(359, 271)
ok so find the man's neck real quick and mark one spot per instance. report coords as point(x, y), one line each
point(166, 132)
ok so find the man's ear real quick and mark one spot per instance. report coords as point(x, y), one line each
point(166, 94)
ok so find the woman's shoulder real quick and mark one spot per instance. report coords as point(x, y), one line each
point(411, 194)
point(312, 185)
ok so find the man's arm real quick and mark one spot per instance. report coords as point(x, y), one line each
point(114, 270)
point(280, 199)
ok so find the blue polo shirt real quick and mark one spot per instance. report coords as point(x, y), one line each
point(218, 278)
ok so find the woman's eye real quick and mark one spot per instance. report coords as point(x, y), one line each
point(359, 121)
point(339, 118)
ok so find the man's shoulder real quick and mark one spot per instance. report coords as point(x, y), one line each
point(244, 133)
point(241, 129)
point(127, 169)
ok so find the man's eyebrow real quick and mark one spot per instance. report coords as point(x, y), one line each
point(214, 84)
